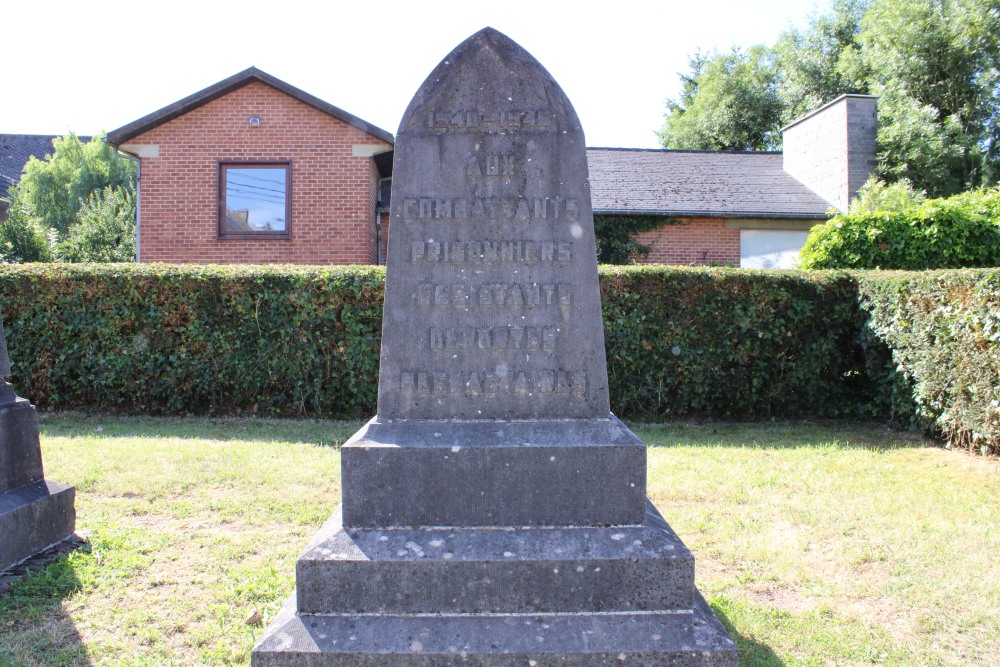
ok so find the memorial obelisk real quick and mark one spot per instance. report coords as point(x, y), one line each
point(494, 510)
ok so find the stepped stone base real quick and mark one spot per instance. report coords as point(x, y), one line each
point(686, 638)
point(33, 517)
point(426, 597)
point(495, 570)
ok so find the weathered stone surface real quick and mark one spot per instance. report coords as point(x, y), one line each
point(4, 359)
point(494, 511)
point(492, 306)
point(525, 473)
point(20, 451)
point(691, 638)
point(482, 570)
point(33, 517)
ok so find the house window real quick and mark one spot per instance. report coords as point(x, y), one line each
point(770, 248)
point(255, 200)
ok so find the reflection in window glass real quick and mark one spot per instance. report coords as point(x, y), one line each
point(255, 199)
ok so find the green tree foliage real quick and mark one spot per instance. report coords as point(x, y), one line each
point(105, 231)
point(877, 195)
point(935, 64)
point(729, 101)
point(962, 231)
point(51, 201)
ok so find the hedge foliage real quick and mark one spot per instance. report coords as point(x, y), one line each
point(957, 232)
point(709, 343)
point(194, 340)
point(304, 341)
point(944, 331)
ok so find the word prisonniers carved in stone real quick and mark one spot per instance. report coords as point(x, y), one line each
point(491, 251)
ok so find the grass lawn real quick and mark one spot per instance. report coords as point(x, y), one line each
point(816, 544)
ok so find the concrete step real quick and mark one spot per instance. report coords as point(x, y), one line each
point(568, 472)
point(692, 638)
point(478, 570)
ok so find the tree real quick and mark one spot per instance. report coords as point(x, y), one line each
point(106, 229)
point(934, 63)
point(729, 101)
point(46, 204)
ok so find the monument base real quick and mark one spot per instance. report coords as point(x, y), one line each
point(496, 596)
point(688, 638)
point(34, 517)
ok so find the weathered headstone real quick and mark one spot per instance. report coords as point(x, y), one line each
point(34, 513)
point(494, 511)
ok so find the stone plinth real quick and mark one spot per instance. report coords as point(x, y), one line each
point(34, 513)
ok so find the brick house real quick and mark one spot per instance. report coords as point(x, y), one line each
point(253, 170)
point(750, 209)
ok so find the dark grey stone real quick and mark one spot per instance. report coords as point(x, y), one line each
point(488, 570)
point(34, 517)
point(4, 359)
point(20, 451)
point(492, 306)
point(494, 511)
point(691, 638)
point(526, 473)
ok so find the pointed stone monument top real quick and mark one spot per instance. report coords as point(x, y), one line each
point(493, 309)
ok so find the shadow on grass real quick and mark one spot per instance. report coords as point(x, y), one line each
point(781, 435)
point(752, 652)
point(252, 429)
point(34, 626)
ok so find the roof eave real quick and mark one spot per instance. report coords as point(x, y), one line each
point(789, 215)
point(226, 86)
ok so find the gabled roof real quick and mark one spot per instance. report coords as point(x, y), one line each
point(698, 183)
point(17, 149)
point(226, 86)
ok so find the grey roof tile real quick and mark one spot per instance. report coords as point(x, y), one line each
point(17, 149)
point(698, 183)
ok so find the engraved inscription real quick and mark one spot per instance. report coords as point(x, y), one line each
point(491, 251)
point(493, 338)
point(491, 165)
point(491, 208)
point(504, 381)
point(515, 295)
point(478, 120)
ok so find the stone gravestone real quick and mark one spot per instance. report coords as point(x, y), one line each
point(494, 511)
point(34, 513)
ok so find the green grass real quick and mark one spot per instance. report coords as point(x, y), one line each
point(831, 544)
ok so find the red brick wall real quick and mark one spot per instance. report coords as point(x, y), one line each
point(333, 192)
point(692, 242)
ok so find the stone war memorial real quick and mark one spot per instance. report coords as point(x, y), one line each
point(494, 511)
point(34, 513)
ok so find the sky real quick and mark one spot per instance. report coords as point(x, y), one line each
point(87, 66)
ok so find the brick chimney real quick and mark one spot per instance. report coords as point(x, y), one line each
point(832, 149)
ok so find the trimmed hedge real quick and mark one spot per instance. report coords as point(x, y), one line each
point(718, 343)
point(957, 232)
point(944, 330)
point(194, 340)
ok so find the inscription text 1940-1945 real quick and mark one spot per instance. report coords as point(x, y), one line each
point(480, 120)
point(511, 382)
